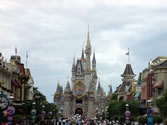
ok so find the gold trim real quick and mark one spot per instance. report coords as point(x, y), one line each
point(79, 86)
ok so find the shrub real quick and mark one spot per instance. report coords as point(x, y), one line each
point(157, 119)
point(115, 117)
point(133, 118)
point(121, 119)
point(142, 120)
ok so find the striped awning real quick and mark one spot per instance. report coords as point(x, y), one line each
point(159, 84)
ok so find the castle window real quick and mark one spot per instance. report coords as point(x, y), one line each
point(79, 101)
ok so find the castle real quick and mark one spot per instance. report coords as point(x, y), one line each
point(81, 96)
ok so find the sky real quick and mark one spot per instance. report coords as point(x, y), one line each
point(53, 31)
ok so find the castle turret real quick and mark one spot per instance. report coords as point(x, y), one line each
point(94, 63)
point(73, 65)
point(79, 67)
point(98, 88)
point(58, 88)
point(128, 74)
point(82, 55)
point(68, 88)
point(88, 53)
point(67, 100)
point(100, 91)
point(124, 92)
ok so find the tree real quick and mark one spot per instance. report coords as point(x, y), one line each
point(38, 96)
point(40, 100)
point(162, 104)
point(117, 108)
point(134, 107)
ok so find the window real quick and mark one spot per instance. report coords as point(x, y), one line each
point(79, 101)
point(159, 91)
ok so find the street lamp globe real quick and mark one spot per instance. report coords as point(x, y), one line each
point(61, 109)
point(127, 105)
point(11, 97)
point(106, 109)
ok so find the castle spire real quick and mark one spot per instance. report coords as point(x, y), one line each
point(68, 88)
point(94, 62)
point(58, 88)
point(88, 53)
point(99, 85)
point(88, 44)
point(73, 65)
point(82, 55)
point(94, 58)
point(110, 88)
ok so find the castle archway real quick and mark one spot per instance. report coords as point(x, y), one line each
point(78, 111)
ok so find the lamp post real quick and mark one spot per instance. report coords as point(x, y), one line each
point(43, 112)
point(61, 111)
point(33, 112)
point(127, 114)
point(102, 113)
point(10, 111)
point(106, 110)
point(97, 112)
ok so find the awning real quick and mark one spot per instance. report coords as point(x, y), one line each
point(18, 83)
point(14, 83)
point(137, 94)
point(159, 84)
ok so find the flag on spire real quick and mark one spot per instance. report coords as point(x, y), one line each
point(15, 50)
point(128, 55)
point(127, 52)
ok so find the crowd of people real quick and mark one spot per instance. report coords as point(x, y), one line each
point(78, 120)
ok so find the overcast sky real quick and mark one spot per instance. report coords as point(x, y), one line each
point(53, 31)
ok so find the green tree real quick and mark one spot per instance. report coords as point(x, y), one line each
point(134, 107)
point(162, 104)
point(116, 108)
point(51, 110)
point(40, 100)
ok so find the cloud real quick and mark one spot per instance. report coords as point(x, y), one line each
point(54, 31)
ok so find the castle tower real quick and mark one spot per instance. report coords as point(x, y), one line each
point(58, 96)
point(88, 52)
point(67, 100)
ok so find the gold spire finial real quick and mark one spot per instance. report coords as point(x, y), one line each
point(88, 27)
point(74, 60)
point(88, 39)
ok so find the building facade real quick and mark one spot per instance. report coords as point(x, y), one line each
point(82, 96)
point(153, 80)
point(15, 80)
